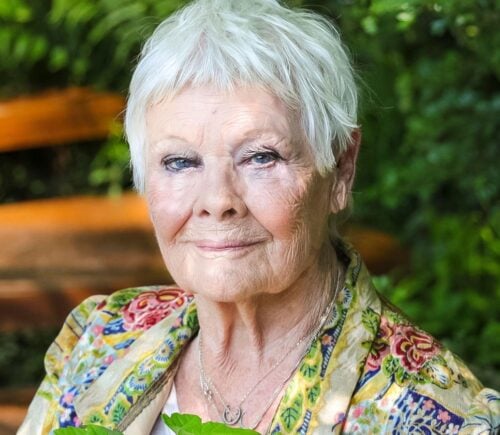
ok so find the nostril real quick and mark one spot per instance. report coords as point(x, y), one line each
point(230, 212)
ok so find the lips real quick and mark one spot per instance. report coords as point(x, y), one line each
point(225, 245)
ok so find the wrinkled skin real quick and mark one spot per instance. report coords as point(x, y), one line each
point(240, 213)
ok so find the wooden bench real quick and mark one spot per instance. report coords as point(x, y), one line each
point(55, 252)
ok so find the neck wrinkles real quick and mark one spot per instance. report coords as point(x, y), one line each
point(258, 329)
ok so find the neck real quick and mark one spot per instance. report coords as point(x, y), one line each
point(254, 330)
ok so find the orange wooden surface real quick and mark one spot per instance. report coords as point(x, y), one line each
point(56, 252)
point(89, 213)
point(380, 251)
point(11, 416)
point(57, 117)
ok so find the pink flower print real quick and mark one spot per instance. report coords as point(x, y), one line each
point(108, 360)
point(326, 340)
point(429, 405)
point(377, 353)
point(98, 342)
point(444, 416)
point(380, 347)
point(177, 322)
point(97, 329)
point(414, 348)
point(68, 398)
point(358, 412)
point(410, 402)
point(150, 307)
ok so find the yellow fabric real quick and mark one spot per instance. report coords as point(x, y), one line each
point(370, 371)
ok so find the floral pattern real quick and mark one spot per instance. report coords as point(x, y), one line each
point(305, 388)
point(148, 308)
point(415, 412)
point(413, 347)
point(404, 353)
point(380, 347)
point(368, 372)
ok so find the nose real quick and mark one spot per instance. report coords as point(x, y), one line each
point(219, 196)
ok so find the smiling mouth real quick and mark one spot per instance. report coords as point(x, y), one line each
point(227, 245)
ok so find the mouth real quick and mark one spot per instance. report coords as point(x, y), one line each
point(225, 245)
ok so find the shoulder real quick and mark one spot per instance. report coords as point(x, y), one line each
point(142, 307)
point(116, 320)
point(96, 333)
point(411, 382)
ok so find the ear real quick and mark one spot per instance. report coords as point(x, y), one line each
point(345, 172)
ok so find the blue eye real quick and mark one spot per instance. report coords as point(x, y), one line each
point(264, 158)
point(178, 164)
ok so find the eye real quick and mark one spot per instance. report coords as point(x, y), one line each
point(265, 158)
point(179, 164)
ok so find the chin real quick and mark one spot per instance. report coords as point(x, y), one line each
point(227, 286)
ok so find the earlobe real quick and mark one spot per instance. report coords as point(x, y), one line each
point(338, 199)
point(345, 172)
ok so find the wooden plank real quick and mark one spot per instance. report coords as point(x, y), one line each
point(78, 235)
point(56, 252)
point(11, 417)
point(16, 395)
point(57, 117)
point(77, 213)
point(381, 252)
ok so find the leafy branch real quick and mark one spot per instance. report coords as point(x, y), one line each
point(181, 424)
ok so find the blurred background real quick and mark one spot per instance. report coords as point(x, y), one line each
point(428, 180)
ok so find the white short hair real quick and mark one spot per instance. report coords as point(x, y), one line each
point(294, 54)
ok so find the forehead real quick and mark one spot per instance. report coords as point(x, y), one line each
point(242, 111)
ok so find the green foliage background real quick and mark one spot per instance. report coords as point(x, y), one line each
point(429, 74)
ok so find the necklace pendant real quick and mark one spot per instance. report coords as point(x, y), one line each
point(231, 416)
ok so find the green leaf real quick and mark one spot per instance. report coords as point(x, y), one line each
point(370, 320)
point(313, 394)
point(308, 370)
point(289, 417)
point(118, 413)
point(90, 429)
point(188, 424)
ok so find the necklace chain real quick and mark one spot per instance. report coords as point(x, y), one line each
point(232, 415)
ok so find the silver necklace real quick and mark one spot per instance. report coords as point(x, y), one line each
point(232, 415)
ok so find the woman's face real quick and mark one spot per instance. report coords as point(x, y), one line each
point(237, 204)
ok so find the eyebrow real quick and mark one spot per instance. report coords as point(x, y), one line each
point(256, 133)
point(173, 137)
point(247, 136)
point(168, 138)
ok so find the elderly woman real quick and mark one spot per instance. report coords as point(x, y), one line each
point(242, 128)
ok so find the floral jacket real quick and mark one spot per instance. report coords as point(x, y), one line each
point(369, 372)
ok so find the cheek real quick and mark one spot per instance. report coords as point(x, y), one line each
point(169, 206)
point(282, 204)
